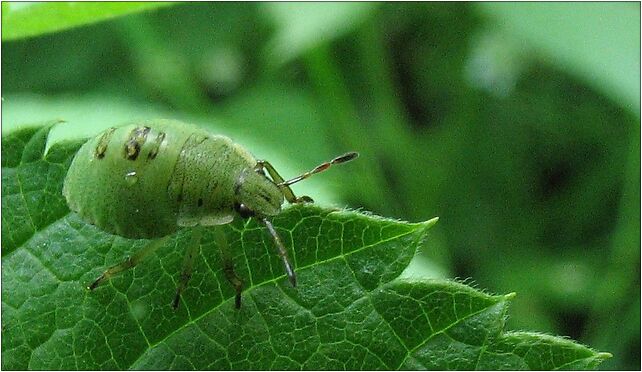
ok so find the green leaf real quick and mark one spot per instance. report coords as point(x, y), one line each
point(352, 309)
point(304, 26)
point(25, 19)
point(31, 191)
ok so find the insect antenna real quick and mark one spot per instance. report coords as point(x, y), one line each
point(321, 167)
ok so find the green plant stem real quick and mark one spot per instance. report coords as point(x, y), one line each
point(620, 276)
point(389, 120)
point(390, 124)
point(386, 119)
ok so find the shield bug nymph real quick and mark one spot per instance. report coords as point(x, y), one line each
point(149, 179)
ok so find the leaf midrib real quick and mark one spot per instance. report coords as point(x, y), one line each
point(273, 280)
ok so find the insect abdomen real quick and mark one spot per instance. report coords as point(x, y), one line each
point(143, 180)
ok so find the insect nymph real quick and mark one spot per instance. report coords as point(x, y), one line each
point(149, 179)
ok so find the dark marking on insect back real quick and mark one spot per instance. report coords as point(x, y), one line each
point(177, 180)
point(200, 202)
point(264, 196)
point(132, 149)
point(137, 138)
point(214, 185)
point(157, 143)
point(101, 148)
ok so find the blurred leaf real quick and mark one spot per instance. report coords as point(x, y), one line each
point(598, 42)
point(621, 275)
point(75, 60)
point(303, 26)
point(348, 312)
point(28, 19)
point(162, 69)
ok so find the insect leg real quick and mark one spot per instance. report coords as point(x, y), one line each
point(129, 262)
point(276, 177)
point(228, 265)
point(283, 253)
point(188, 264)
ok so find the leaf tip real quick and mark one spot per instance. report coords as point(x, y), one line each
point(510, 296)
point(604, 355)
point(431, 222)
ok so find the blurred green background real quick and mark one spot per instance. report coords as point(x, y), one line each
point(516, 123)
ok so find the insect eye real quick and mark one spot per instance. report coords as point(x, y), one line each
point(243, 211)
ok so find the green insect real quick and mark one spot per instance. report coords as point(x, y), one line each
point(149, 179)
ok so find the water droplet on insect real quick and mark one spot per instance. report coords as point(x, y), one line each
point(131, 178)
